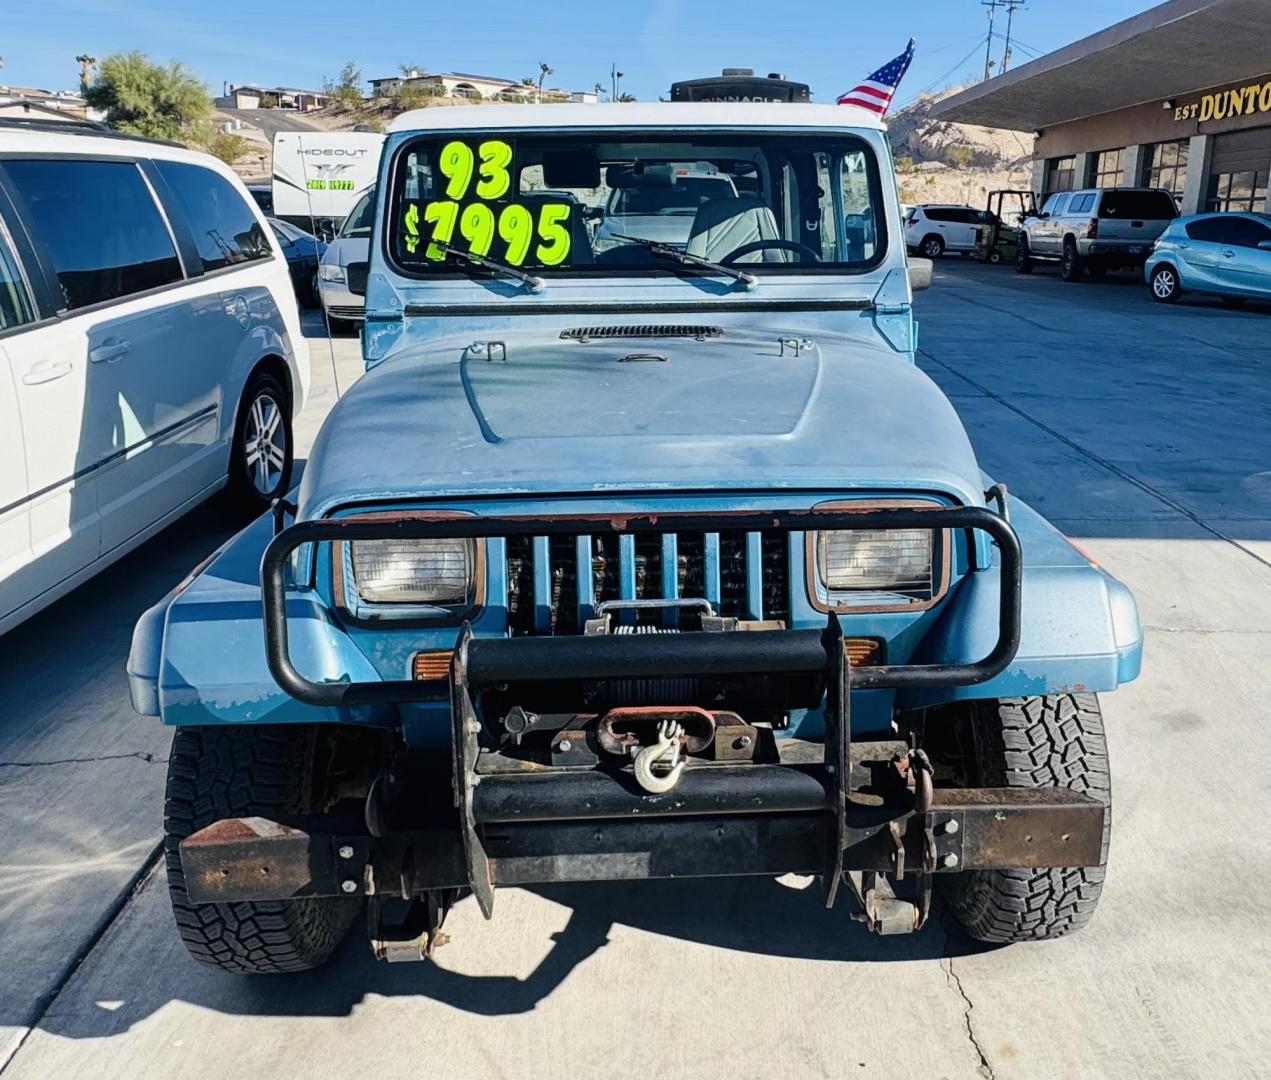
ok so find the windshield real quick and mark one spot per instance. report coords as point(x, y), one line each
point(359, 222)
point(553, 203)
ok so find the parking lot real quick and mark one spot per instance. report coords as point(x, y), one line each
point(1143, 431)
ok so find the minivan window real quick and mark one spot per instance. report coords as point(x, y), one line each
point(1140, 205)
point(100, 226)
point(225, 231)
point(15, 308)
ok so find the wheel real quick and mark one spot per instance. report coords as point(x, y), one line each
point(995, 256)
point(1071, 266)
point(1034, 742)
point(261, 457)
point(1164, 282)
point(1023, 257)
point(932, 247)
point(224, 772)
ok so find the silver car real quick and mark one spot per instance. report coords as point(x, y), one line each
point(344, 308)
point(1095, 230)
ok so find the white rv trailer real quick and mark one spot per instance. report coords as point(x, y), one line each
point(319, 176)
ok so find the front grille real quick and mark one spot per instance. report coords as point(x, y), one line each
point(600, 333)
point(743, 575)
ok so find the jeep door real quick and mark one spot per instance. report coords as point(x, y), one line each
point(133, 417)
point(1245, 264)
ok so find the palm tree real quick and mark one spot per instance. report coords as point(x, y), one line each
point(543, 71)
point(86, 64)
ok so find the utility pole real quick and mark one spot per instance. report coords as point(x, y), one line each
point(1010, 6)
point(86, 64)
point(988, 44)
point(615, 80)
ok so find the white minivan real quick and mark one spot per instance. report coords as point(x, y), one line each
point(150, 350)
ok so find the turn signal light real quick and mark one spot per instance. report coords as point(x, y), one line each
point(431, 665)
point(863, 651)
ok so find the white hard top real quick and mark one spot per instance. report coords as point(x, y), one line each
point(677, 114)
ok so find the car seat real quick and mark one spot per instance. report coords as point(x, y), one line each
point(721, 226)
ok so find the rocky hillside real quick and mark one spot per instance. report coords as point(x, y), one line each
point(937, 161)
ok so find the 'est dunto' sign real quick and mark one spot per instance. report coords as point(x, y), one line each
point(1221, 104)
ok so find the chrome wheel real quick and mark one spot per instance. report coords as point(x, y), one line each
point(265, 444)
point(1164, 284)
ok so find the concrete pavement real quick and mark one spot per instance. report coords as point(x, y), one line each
point(1142, 430)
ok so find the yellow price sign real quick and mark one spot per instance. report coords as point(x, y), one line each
point(515, 233)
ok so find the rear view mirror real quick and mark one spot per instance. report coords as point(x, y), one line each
point(920, 274)
point(355, 277)
point(571, 168)
point(640, 176)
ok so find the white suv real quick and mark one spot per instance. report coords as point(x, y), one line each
point(150, 350)
point(933, 230)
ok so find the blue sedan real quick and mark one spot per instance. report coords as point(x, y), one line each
point(1228, 255)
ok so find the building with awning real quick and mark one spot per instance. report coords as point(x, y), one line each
point(1178, 97)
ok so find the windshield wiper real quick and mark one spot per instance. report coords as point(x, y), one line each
point(534, 284)
point(696, 262)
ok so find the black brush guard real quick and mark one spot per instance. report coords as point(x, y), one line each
point(556, 824)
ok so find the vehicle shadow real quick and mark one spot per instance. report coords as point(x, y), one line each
point(751, 915)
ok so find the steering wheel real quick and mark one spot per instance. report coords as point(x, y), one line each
point(763, 245)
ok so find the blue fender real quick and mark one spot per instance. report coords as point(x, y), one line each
point(1080, 627)
point(198, 656)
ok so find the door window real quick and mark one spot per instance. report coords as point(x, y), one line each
point(1057, 205)
point(1247, 233)
point(15, 307)
point(225, 230)
point(1208, 230)
point(100, 226)
point(1082, 203)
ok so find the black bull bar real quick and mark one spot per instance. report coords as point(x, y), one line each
point(565, 824)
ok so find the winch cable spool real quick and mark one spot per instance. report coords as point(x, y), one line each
point(626, 692)
point(313, 228)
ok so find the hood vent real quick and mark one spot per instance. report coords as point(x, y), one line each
point(600, 333)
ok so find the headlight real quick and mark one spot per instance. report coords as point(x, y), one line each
point(414, 571)
point(332, 272)
point(889, 560)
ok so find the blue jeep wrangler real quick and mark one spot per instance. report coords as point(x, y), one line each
point(644, 559)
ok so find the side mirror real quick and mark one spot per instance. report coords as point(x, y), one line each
point(920, 274)
point(355, 277)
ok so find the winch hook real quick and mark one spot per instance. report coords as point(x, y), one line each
point(666, 755)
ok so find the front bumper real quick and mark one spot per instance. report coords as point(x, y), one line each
point(826, 809)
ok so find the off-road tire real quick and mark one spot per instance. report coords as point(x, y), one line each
point(224, 772)
point(242, 493)
point(1057, 740)
point(1023, 258)
point(1165, 285)
point(1072, 266)
point(932, 246)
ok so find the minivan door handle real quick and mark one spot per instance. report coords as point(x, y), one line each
point(46, 371)
point(109, 350)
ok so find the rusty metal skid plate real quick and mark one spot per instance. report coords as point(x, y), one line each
point(997, 828)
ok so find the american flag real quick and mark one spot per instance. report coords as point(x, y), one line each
point(875, 93)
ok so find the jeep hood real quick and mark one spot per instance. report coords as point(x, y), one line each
point(541, 415)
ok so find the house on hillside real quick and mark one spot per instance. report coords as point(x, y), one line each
point(476, 87)
point(244, 96)
point(42, 104)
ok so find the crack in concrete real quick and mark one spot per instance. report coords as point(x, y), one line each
point(1129, 478)
point(954, 980)
point(140, 755)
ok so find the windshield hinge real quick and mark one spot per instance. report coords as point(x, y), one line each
point(891, 309)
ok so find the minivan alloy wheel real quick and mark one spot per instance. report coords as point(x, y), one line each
point(265, 443)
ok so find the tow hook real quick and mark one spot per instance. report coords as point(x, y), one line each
point(658, 767)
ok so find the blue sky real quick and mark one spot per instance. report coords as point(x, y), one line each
point(828, 43)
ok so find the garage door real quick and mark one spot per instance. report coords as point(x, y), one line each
point(1239, 170)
